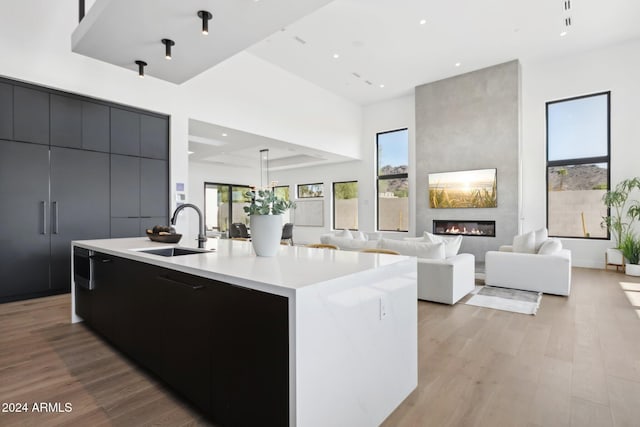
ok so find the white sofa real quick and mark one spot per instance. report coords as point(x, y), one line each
point(549, 274)
point(440, 279)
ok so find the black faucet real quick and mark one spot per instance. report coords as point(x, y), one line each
point(202, 237)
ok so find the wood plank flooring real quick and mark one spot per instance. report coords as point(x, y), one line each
point(576, 363)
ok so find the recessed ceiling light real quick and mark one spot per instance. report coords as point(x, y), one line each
point(336, 55)
point(190, 152)
point(562, 34)
point(458, 64)
point(382, 86)
point(423, 21)
point(224, 134)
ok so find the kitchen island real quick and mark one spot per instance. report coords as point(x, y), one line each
point(310, 337)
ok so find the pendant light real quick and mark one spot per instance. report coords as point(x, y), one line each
point(167, 47)
point(264, 168)
point(141, 65)
point(205, 16)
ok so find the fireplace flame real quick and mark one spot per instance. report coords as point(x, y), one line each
point(455, 230)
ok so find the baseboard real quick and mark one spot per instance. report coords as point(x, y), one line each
point(49, 293)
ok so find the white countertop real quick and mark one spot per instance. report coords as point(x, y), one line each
point(293, 268)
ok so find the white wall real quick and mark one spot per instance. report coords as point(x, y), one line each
point(613, 68)
point(347, 171)
point(383, 116)
point(244, 92)
point(388, 115)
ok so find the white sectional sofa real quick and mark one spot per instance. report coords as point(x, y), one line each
point(441, 278)
point(542, 267)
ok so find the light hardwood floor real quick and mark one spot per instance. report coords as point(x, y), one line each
point(577, 362)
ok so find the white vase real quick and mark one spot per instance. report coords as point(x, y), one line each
point(632, 269)
point(614, 256)
point(266, 231)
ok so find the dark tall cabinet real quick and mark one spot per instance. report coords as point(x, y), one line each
point(72, 168)
point(24, 188)
point(79, 208)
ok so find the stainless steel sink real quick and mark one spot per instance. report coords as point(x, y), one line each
point(173, 251)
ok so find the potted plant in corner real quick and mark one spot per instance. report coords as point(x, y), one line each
point(620, 220)
point(630, 248)
point(265, 219)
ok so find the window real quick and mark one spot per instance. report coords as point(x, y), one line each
point(345, 205)
point(282, 191)
point(393, 181)
point(310, 190)
point(578, 144)
point(219, 212)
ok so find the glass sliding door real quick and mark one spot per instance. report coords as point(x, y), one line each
point(239, 201)
point(224, 205)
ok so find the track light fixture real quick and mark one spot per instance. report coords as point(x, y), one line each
point(167, 47)
point(141, 65)
point(205, 16)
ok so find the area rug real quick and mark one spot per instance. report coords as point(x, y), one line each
point(517, 301)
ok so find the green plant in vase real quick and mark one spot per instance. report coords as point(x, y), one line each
point(265, 216)
point(266, 202)
point(630, 248)
point(621, 217)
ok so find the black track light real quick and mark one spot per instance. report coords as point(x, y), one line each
point(167, 47)
point(141, 65)
point(205, 16)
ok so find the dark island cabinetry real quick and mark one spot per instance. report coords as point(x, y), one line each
point(71, 166)
point(222, 347)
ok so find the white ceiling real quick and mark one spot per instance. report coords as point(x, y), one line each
point(215, 144)
point(384, 42)
point(123, 31)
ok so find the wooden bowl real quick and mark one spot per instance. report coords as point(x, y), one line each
point(165, 238)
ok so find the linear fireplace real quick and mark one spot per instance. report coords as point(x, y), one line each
point(465, 228)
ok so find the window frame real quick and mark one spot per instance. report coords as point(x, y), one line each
point(578, 161)
point(333, 201)
point(298, 196)
point(392, 176)
point(230, 213)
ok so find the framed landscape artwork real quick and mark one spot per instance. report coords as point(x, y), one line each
point(463, 189)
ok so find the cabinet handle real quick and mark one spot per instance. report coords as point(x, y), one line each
point(169, 279)
point(55, 221)
point(44, 217)
point(101, 259)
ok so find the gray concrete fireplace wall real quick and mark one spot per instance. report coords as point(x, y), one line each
point(469, 122)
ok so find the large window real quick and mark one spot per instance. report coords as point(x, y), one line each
point(393, 181)
point(306, 191)
point(223, 205)
point(345, 205)
point(578, 143)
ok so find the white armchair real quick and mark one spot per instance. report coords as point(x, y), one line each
point(446, 280)
point(550, 274)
